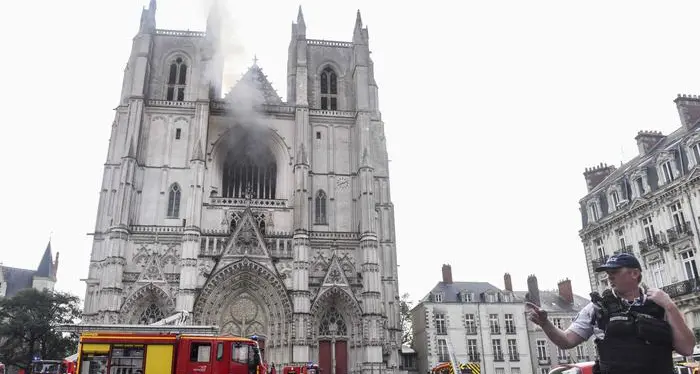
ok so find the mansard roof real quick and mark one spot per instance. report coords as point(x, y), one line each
point(254, 89)
point(451, 291)
point(16, 279)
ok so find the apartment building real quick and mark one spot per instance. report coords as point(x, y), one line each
point(650, 207)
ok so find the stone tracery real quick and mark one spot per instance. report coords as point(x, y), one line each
point(146, 303)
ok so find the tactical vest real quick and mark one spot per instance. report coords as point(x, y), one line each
point(637, 338)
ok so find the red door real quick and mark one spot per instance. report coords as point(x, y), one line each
point(324, 356)
point(341, 357)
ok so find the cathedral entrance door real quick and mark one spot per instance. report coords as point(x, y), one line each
point(333, 356)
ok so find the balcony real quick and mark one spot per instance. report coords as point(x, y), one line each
point(683, 288)
point(564, 360)
point(626, 249)
point(679, 232)
point(657, 241)
point(599, 261)
point(544, 361)
point(475, 357)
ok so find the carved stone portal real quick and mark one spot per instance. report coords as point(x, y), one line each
point(243, 317)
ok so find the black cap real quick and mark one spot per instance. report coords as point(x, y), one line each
point(623, 260)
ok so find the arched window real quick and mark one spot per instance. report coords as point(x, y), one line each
point(249, 167)
point(321, 217)
point(174, 201)
point(150, 315)
point(332, 323)
point(177, 78)
point(329, 89)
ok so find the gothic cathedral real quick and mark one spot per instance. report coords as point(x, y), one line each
point(255, 214)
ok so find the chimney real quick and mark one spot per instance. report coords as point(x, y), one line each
point(594, 175)
point(688, 109)
point(565, 291)
point(533, 291)
point(508, 283)
point(447, 274)
point(646, 140)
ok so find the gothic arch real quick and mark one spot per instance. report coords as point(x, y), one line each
point(275, 144)
point(250, 283)
point(337, 300)
point(144, 300)
point(333, 65)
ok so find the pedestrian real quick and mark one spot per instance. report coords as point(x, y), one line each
point(635, 329)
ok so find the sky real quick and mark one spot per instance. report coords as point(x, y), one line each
point(492, 111)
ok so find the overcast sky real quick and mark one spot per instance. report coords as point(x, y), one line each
point(492, 112)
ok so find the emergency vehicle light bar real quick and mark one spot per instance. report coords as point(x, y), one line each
point(163, 329)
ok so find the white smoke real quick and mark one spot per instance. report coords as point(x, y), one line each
point(246, 98)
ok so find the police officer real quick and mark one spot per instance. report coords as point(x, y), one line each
point(635, 330)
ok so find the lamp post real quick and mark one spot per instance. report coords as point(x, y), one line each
point(333, 328)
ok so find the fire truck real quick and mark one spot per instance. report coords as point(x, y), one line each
point(163, 349)
point(309, 368)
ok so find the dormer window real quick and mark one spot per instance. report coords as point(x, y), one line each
point(615, 199)
point(668, 172)
point(593, 211)
point(639, 185)
point(329, 89)
point(466, 296)
point(696, 152)
point(437, 297)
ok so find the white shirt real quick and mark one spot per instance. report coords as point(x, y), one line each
point(582, 324)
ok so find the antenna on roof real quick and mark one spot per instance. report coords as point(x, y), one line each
point(622, 155)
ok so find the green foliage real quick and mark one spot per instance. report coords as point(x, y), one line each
point(406, 324)
point(27, 322)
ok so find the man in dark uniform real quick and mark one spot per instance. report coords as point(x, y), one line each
point(635, 330)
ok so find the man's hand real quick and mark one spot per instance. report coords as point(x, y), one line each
point(536, 315)
point(659, 297)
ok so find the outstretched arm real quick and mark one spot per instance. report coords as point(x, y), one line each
point(568, 339)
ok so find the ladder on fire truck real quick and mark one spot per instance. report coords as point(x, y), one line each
point(453, 359)
point(176, 323)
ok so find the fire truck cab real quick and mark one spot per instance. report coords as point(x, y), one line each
point(167, 353)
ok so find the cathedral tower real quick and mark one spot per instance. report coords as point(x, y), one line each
point(258, 215)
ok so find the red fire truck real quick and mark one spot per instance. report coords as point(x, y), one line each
point(160, 350)
point(309, 368)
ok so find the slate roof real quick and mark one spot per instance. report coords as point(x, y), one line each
point(451, 291)
point(552, 302)
point(253, 89)
point(18, 279)
point(667, 142)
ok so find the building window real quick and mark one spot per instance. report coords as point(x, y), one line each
point(556, 322)
point(473, 350)
point(668, 172)
point(691, 270)
point(658, 274)
point(678, 217)
point(329, 89)
point(615, 198)
point(513, 350)
point(544, 370)
point(639, 183)
point(320, 208)
point(541, 349)
point(440, 324)
point(500, 370)
point(562, 354)
point(443, 356)
point(150, 315)
point(174, 201)
point(514, 370)
point(497, 351)
point(178, 133)
point(249, 171)
point(594, 212)
point(648, 229)
point(177, 79)
point(437, 298)
point(581, 352)
point(470, 324)
point(696, 153)
point(510, 324)
point(600, 248)
point(493, 324)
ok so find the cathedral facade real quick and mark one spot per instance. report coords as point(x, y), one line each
point(255, 214)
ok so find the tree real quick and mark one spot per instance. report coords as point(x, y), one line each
point(406, 304)
point(27, 322)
